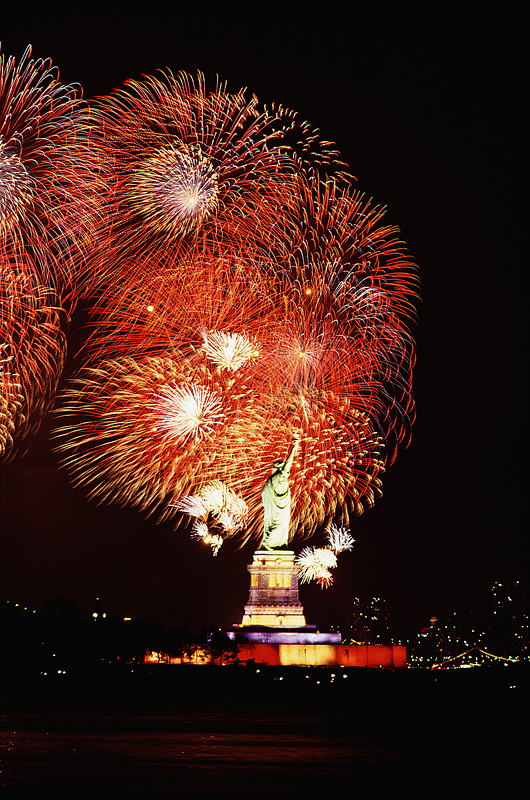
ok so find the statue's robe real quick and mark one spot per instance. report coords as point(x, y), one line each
point(276, 499)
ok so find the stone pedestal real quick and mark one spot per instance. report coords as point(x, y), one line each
point(273, 599)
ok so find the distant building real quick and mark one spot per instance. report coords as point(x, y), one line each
point(371, 621)
point(508, 629)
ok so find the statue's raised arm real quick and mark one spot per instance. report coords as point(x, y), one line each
point(287, 464)
point(276, 498)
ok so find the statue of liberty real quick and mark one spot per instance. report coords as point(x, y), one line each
point(276, 499)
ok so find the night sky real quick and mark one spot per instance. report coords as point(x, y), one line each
point(427, 112)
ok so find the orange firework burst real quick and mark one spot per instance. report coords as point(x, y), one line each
point(248, 297)
point(142, 432)
point(50, 185)
point(191, 166)
point(212, 307)
point(32, 356)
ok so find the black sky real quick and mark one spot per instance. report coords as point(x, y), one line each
point(428, 112)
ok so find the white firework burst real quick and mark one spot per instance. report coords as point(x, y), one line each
point(314, 564)
point(175, 190)
point(339, 539)
point(230, 350)
point(188, 411)
point(213, 496)
point(202, 533)
point(227, 507)
point(228, 521)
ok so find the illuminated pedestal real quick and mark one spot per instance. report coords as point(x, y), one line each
point(274, 616)
point(274, 630)
point(273, 599)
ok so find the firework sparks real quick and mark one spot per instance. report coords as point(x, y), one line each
point(230, 510)
point(225, 507)
point(50, 206)
point(15, 189)
point(32, 356)
point(11, 401)
point(217, 499)
point(200, 530)
point(215, 541)
point(192, 504)
point(202, 533)
point(187, 160)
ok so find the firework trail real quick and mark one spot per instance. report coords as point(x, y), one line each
point(11, 400)
point(212, 306)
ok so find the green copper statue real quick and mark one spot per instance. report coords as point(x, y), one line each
point(276, 499)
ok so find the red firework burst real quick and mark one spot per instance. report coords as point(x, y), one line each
point(192, 167)
point(32, 356)
point(50, 188)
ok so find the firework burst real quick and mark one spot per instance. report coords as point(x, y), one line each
point(50, 176)
point(187, 161)
point(230, 350)
point(229, 510)
point(130, 449)
point(218, 504)
point(116, 441)
point(187, 411)
point(32, 356)
point(248, 295)
point(314, 564)
point(339, 539)
point(175, 189)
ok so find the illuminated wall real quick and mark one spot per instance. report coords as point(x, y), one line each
point(372, 655)
point(303, 655)
point(325, 655)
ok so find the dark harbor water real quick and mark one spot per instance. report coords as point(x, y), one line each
point(232, 732)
